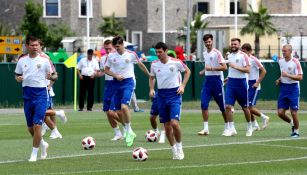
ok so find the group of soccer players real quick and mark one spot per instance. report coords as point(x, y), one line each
point(245, 73)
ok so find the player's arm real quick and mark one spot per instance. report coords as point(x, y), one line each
point(244, 69)
point(221, 67)
point(186, 77)
point(298, 77)
point(18, 78)
point(116, 76)
point(152, 81)
point(54, 77)
point(261, 76)
point(143, 68)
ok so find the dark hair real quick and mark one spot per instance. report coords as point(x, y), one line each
point(247, 47)
point(117, 40)
point(207, 36)
point(236, 39)
point(31, 38)
point(161, 45)
point(90, 51)
point(107, 42)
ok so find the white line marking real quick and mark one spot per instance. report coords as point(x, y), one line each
point(282, 146)
point(160, 149)
point(181, 167)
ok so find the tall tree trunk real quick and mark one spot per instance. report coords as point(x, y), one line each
point(257, 45)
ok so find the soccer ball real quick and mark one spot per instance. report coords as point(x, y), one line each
point(88, 143)
point(140, 154)
point(151, 136)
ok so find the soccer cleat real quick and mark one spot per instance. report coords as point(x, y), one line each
point(117, 137)
point(55, 135)
point(45, 128)
point(130, 138)
point(44, 148)
point(32, 159)
point(175, 156)
point(295, 135)
point(139, 110)
point(249, 132)
point(265, 122)
point(62, 116)
point(180, 154)
point(203, 132)
point(229, 132)
point(256, 128)
point(162, 137)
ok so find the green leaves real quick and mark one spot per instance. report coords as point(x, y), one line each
point(112, 26)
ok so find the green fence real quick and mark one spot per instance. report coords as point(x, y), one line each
point(11, 91)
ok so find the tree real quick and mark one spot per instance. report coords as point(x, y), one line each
point(32, 24)
point(55, 35)
point(259, 24)
point(197, 25)
point(4, 30)
point(111, 26)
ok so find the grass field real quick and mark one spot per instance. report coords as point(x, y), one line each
point(267, 152)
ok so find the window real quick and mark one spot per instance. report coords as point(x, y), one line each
point(52, 8)
point(203, 7)
point(83, 8)
point(232, 8)
point(118, 7)
point(136, 38)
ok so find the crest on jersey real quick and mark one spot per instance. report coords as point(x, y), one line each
point(171, 69)
point(114, 61)
point(211, 58)
point(38, 66)
point(237, 60)
point(289, 68)
point(127, 60)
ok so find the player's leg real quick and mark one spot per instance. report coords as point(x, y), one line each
point(127, 90)
point(175, 113)
point(205, 100)
point(219, 97)
point(229, 103)
point(294, 106)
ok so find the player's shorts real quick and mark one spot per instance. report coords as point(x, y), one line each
point(123, 92)
point(212, 87)
point(154, 106)
point(237, 89)
point(253, 93)
point(289, 96)
point(35, 110)
point(169, 104)
point(49, 102)
point(108, 96)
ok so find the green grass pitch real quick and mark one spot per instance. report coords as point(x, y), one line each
point(267, 152)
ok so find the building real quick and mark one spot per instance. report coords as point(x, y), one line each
point(142, 18)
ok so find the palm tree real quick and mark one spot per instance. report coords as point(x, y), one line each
point(197, 25)
point(258, 23)
point(111, 26)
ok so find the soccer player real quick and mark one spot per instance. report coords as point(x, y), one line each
point(108, 102)
point(213, 84)
point(87, 70)
point(32, 71)
point(50, 120)
point(254, 79)
point(120, 65)
point(291, 74)
point(170, 89)
point(236, 88)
